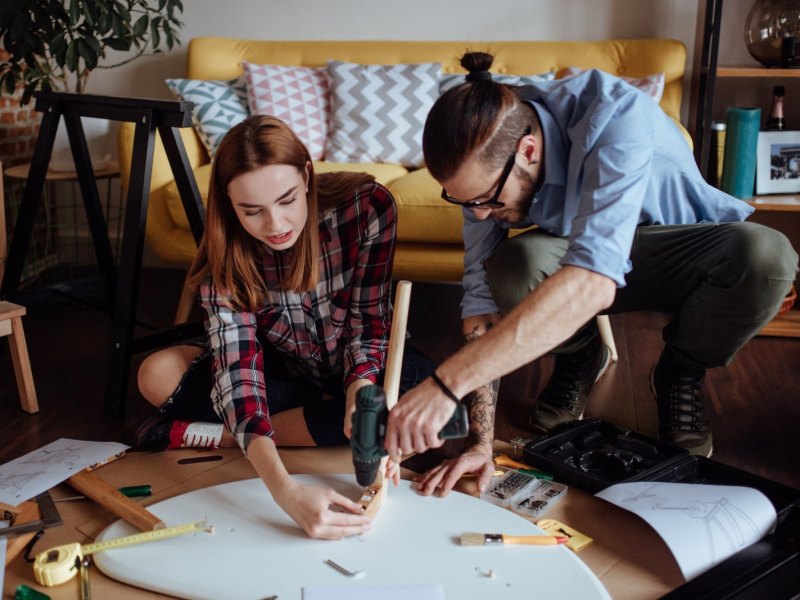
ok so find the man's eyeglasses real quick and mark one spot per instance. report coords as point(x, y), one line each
point(492, 202)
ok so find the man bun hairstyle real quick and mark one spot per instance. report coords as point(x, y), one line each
point(477, 65)
point(478, 115)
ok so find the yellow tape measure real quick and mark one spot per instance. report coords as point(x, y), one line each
point(60, 564)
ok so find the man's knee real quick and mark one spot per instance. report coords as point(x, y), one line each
point(765, 252)
point(768, 266)
point(520, 264)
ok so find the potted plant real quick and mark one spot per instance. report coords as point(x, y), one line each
point(57, 44)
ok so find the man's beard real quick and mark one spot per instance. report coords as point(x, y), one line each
point(517, 213)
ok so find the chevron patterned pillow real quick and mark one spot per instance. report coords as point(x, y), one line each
point(218, 106)
point(298, 96)
point(378, 111)
point(449, 81)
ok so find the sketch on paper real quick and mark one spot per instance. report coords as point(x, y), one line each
point(701, 524)
point(16, 482)
point(726, 526)
point(37, 471)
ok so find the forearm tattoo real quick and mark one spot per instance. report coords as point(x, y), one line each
point(481, 406)
point(482, 402)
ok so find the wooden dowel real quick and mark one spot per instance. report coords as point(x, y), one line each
point(115, 501)
point(391, 379)
point(397, 342)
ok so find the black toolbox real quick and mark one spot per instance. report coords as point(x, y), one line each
point(594, 454)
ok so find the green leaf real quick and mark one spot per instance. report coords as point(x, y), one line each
point(120, 44)
point(27, 93)
point(117, 26)
point(72, 56)
point(88, 55)
point(140, 26)
point(123, 11)
point(103, 23)
point(155, 40)
point(161, 5)
point(61, 56)
point(94, 44)
point(20, 26)
point(58, 42)
point(74, 12)
point(90, 14)
point(5, 86)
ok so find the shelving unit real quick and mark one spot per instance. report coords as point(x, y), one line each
point(787, 325)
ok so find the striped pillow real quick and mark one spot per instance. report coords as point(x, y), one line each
point(651, 85)
point(218, 106)
point(450, 81)
point(378, 111)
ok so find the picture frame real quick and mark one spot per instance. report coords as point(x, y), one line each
point(778, 162)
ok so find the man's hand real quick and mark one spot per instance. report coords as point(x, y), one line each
point(322, 512)
point(441, 479)
point(416, 420)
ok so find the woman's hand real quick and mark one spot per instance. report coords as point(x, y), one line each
point(322, 512)
point(442, 478)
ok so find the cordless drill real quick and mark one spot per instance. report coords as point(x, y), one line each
point(369, 430)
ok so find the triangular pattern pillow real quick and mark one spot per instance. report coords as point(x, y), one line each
point(378, 111)
point(652, 85)
point(298, 96)
point(451, 80)
point(218, 106)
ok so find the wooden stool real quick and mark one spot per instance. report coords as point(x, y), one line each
point(11, 325)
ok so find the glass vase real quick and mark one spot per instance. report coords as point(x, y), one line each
point(772, 33)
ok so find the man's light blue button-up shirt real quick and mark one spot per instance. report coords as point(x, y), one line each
point(613, 160)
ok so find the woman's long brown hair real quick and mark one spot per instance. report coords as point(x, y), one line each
point(231, 256)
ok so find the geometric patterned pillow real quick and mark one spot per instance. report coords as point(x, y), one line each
point(651, 85)
point(452, 80)
point(378, 111)
point(218, 106)
point(298, 96)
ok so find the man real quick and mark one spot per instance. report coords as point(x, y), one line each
point(625, 222)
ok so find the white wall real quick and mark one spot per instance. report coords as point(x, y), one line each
point(478, 20)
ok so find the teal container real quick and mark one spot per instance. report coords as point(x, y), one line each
point(741, 143)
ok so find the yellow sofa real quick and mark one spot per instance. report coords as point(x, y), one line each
point(429, 237)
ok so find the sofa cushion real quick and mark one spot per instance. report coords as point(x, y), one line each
point(378, 111)
point(218, 106)
point(422, 215)
point(449, 81)
point(298, 96)
point(383, 173)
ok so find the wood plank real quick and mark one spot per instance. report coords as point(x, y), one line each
point(755, 71)
point(787, 325)
point(776, 203)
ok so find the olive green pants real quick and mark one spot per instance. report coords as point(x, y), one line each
point(722, 283)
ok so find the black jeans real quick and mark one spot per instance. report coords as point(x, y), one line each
point(323, 409)
point(723, 282)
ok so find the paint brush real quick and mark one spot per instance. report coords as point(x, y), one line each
point(498, 539)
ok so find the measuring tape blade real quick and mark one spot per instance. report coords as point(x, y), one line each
point(146, 536)
point(57, 565)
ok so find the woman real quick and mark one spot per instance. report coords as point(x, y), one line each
point(294, 272)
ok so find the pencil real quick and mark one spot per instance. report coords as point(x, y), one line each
point(498, 539)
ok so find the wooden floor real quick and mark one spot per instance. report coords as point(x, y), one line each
point(754, 404)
